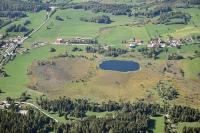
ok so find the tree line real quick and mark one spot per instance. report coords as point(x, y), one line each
point(114, 52)
point(20, 5)
point(190, 129)
point(78, 107)
point(18, 8)
point(156, 11)
point(133, 122)
point(19, 28)
point(98, 19)
point(151, 53)
point(174, 18)
point(4, 22)
point(114, 9)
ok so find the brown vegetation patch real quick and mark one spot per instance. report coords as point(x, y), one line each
point(48, 75)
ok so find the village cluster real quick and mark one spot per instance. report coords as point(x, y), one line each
point(158, 42)
point(76, 40)
point(21, 107)
point(8, 49)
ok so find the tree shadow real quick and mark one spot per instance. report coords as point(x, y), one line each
point(151, 124)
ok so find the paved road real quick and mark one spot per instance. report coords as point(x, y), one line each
point(40, 110)
point(25, 38)
point(47, 19)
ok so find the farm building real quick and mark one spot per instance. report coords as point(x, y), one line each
point(79, 40)
point(59, 41)
point(156, 43)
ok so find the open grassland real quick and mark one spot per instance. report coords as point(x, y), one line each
point(191, 68)
point(35, 18)
point(186, 51)
point(16, 82)
point(115, 35)
point(72, 26)
point(122, 28)
point(192, 28)
point(99, 85)
point(157, 124)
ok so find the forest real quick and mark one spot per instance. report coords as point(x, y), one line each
point(13, 122)
point(114, 9)
point(18, 8)
point(174, 18)
point(129, 117)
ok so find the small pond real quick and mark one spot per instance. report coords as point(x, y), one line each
point(119, 65)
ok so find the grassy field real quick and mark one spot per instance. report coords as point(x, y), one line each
point(16, 82)
point(111, 34)
point(108, 85)
point(157, 124)
point(35, 18)
point(73, 27)
point(191, 68)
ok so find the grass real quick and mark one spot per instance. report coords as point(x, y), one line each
point(191, 68)
point(35, 18)
point(157, 124)
point(185, 51)
point(98, 114)
point(72, 26)
point(16, 82)
point(116, 35)
point(111, 34)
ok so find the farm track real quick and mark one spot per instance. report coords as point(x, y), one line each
point(36, 107)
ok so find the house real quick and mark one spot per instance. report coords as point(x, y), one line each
point(156, 43)
point(174, 43)
point(79, 40)
point(1, 36)
point(23, 112)
point(134, 42)
point(132, 45)
point(138, 41)
point(59, 41)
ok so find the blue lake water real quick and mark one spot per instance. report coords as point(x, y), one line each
point(119, 65)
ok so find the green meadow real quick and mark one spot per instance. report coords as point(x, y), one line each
point(17, 81)
point(157, 124)
point(35, 18)
point(122, 28)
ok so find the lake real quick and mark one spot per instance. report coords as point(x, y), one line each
point(119, 65)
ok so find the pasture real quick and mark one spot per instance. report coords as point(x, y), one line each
point(122, 28)
point(157, 124)
point(100, 85)
point(16, 82)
